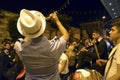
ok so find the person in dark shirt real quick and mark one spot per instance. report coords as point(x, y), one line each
point(10, 64)
point(100, 51)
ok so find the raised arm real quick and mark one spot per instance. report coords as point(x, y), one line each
point(65, 34)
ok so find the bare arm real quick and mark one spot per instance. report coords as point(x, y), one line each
point(101, 62)
point(62, 65)
point(64, 32)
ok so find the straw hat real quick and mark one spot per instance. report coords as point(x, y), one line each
point(31, 23)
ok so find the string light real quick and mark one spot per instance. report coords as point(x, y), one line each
point(89, 12)
point(67, 3)
point(63, 6)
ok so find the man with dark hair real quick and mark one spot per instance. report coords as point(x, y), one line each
point(112, 71)
point(100, 51)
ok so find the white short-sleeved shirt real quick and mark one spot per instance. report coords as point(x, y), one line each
point(64, 57)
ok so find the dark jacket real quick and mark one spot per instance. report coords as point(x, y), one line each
point(10, 65)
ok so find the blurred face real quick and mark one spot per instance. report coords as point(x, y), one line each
point(71, 48)
point(74, 44)
point(114, 34)
point(7, 46)
point(95, 36)
point(87, 42)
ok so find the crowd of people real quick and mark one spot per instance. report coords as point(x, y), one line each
point(34, 57)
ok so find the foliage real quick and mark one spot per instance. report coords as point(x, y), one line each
point(13, 29)
point(65, 20)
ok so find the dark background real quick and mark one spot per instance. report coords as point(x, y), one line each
point(80, 10)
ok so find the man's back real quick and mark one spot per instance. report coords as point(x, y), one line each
point(40, 55)
point(40, 60)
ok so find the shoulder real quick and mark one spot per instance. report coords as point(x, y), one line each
point(58, 41)
point(56, 38)
point(63, 56)
point(17, 45)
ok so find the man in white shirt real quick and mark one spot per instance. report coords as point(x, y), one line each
point(63, 66)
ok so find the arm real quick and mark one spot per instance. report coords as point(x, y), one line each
point(101, 62)
point(117, 75)
point(62, 65)
point(103, 50)
point(64, 32)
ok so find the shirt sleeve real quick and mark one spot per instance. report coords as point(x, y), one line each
point(18, 46)
point(117, 55)
point(63, 57)
point(58, 46)
point(57, 43)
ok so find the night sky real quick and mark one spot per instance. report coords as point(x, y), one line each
point(80, 10)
